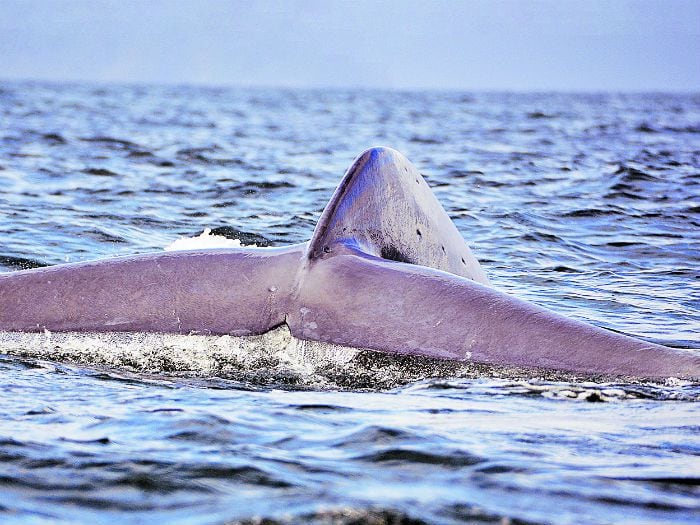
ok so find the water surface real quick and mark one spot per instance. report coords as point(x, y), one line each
point(587, 204)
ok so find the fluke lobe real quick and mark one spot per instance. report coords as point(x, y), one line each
point(386, 269)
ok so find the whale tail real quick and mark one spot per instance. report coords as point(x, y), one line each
point(357, 293)
point(385, 208)
point(386, 269)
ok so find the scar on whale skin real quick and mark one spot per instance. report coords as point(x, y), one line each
point(386, 269)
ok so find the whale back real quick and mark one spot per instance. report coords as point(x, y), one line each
point(384, 207)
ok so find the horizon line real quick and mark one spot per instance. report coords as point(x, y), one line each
point(349, 87)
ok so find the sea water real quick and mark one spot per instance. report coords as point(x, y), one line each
point(588, 204)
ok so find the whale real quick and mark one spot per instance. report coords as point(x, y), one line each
point(386, 270)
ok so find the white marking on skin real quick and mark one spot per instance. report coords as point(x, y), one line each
point(272, 288)
point(468, 354)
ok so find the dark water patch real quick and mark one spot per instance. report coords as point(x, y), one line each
point(20, 263)
point(100, 172)
point(623, 195)
point(340, 516)
point(253, 187)
point(622, 244)
point(239, 474)
point(210, 156)
point(322, 408)
point(206, 435)
point(463, 174)
point(246, 238)
point(160, 482)
point(592, 212)
point(490, 183)
point(10, 442)
point(96, 441)
point(54, 139)
point(147, 156)
point(645, 127)
point(538, 115)
point(491, 468)
point(474, 514)
point(140, 154)
point(402, 456)
point(631, 174)
point(98, 503)
point(540, 236)
point(103, 236)
point(224, 204)
point(112, 143)
point(18, 362)
point(110, 376)
point(145, 221)
point(40, 411)
point(425, 140)
point(654, 505)
point(671, 480)
point(622, 186)
point(163, 189)
point(563, 269)
point(103, 216)
point(46, 463)
point(666, 235)
point(34, 481)
point(375, 436)
point(19, 155)
point(684, 129)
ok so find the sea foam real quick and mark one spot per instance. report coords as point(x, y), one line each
point(205, 240)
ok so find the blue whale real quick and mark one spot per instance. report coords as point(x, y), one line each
point(386, 269)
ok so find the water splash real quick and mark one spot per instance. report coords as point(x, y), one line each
point(205, 240)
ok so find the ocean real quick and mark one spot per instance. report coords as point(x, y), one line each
point(588, 204)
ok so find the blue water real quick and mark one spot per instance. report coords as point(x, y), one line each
point(587, 204)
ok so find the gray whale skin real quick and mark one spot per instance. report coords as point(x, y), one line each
point(386, 269)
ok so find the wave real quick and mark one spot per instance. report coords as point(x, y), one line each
point(279, 359)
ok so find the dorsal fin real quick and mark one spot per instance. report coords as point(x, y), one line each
point(385, 207)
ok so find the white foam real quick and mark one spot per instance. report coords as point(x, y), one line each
point(276, 352)
point(278, 358)
point(205, 240)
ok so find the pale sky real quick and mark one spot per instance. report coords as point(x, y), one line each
point(522, 45)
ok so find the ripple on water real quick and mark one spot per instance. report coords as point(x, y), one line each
point(584, 203)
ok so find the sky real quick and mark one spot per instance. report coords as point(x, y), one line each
point(515, 45)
